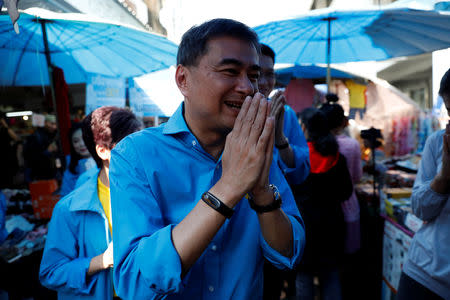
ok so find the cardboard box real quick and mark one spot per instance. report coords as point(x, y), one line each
point(42, 198)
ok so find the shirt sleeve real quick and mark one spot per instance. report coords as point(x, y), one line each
point(426, 203)
point(61, 267)
point(297, 141)
point(146, 264)
point(289, 207)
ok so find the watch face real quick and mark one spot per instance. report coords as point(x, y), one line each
point(276, 193)
point(211, 201)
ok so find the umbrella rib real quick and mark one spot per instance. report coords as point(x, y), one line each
point(305, 46)
point(103, 62)
point(125, 58)
point(64, 50)
point(405, 27)
point(107, 38)
point(19, 60)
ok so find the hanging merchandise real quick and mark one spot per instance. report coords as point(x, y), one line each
point(357, 98)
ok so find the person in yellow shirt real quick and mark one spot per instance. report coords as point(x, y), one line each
point(78, 258)
point(357, 98)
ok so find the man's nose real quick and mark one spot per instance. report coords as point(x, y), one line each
point(246, 86)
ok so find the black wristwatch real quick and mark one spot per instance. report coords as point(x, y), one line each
point(284, 145)
point(218, 205)
point(276, 203)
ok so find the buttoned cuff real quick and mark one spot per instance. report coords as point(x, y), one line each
point(298, 242)
point(162, 271)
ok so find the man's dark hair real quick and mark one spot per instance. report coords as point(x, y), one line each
point(194, 41)
point(444, 89)
point(107, 126)
point(267, 51)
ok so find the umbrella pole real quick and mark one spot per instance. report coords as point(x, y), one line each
point(328, 55)
point(51, 81)
point(329, 19)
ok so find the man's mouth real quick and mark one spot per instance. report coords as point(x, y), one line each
point(232, 104)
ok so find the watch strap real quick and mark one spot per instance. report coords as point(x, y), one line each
point(217, 205)
point(283, 145)
point(276, 203)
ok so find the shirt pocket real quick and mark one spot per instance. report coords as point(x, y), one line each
point(420, 253)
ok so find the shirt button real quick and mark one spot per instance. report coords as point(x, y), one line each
point(194, 143)
point(211, 288)
point(214, 247)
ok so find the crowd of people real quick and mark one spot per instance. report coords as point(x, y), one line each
point(234, 197)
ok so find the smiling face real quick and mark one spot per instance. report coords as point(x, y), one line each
point(78, 143)
point(266, 81)
point(215, 89)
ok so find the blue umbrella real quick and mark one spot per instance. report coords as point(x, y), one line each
point(79, 46)
point(328, 36)
point(284, 75)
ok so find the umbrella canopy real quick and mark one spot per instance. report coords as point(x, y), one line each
point(311, 72)
point(284, 75)
point(79, 45)
point(328, 36)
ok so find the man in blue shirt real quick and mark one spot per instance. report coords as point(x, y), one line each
point(291, 153)
point(196, 202)
point(291, 150)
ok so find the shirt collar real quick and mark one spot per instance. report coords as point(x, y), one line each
point(86, 197)
point(176, 123)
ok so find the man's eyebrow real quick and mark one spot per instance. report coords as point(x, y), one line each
point(230, 61)
point(236, 62)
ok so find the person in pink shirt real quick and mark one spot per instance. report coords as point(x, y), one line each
point(350, 148)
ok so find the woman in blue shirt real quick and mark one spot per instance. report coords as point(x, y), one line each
point(77, 258)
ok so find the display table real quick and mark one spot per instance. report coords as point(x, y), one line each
point(396, 242)
point(21, 252)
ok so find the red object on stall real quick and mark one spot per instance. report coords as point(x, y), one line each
point(42, 197)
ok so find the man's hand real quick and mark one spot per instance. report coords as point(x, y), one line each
point(445, 170)
point(248, 151)
point(441, 183)
point(52, 147)
point(277, 110)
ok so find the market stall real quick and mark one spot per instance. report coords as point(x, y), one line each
point(25, 226)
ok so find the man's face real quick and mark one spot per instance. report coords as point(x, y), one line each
point(51, 126)
point(216, 88)
point(266, 81)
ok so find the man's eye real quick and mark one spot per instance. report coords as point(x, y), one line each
point(254, 76)
point(268, 75)
point(231, 71)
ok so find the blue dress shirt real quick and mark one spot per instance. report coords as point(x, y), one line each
point(157, 176)
point(297, 141)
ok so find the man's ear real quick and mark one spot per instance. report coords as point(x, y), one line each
point(103, 152)
point(181, 78)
